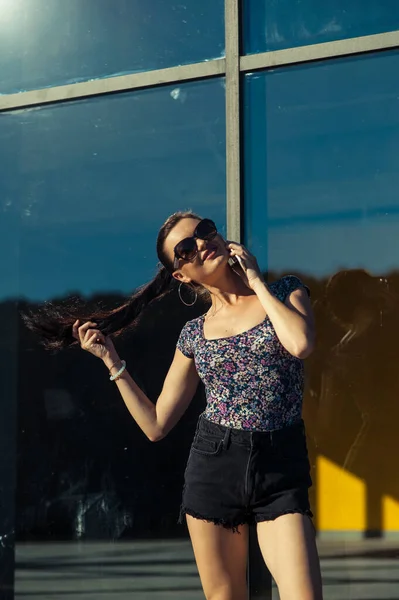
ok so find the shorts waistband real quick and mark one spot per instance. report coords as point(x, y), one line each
point(247, 437)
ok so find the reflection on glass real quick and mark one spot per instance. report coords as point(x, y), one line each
point(85, 187)
point(321, 181)
point(53, 42)
point(277, 24)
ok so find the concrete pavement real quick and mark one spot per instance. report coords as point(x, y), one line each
point(162, 570)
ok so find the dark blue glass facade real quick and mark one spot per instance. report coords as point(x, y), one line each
point(51, 42)
point(86, 186)
point(88, 507)
point(320, 201)
point(278, 24)
point(321, 169)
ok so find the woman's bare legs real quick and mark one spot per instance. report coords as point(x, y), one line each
point(221, 558)
point(288, 546)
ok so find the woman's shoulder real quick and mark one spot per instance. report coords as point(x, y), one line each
point(194, 325)
point(189, 335)
point(283, 287)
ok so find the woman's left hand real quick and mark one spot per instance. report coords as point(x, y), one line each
point(250, 271)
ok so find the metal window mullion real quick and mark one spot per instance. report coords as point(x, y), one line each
point(212, 68)
point(326, 50)
point(259, 580)
point(233, 186)
point(108, 85)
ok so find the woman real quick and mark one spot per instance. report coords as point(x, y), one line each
point(248, 462)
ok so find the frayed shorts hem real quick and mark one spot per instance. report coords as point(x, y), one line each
point(226, 523)
point(247, 520)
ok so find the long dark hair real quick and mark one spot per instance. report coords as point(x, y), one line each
point(53, 323)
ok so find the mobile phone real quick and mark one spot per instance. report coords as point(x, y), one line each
point(235, 261)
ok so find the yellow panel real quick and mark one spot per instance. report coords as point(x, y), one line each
point(341, 498)
point(390, 514)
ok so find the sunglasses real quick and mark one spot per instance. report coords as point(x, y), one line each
point(187, 249)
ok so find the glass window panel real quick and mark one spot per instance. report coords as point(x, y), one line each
point(277, 24)
point(84, 188)
point(52, 42)
point(321, 201)
point(86, 185)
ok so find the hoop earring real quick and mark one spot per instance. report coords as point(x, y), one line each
point(180, 296)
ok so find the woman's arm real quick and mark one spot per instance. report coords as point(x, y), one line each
point(292, 320)
point(156, 420)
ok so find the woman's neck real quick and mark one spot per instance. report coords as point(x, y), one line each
point(228, 290)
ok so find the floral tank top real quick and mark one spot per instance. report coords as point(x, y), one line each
point(251, 381)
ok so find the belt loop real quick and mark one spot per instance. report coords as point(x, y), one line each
point(226, 439)
point(198, 426)
point(272, 439)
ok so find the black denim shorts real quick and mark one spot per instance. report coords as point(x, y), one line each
point(235, 476)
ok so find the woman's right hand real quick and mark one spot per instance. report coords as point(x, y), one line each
point(92, 340)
